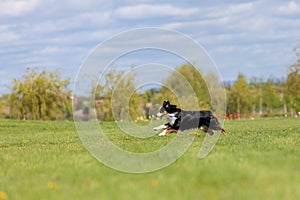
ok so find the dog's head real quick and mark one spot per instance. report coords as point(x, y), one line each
point(166, 108)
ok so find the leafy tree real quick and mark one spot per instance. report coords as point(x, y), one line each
point(271, 96)
point(103, 94)
point(116, 98)
point(218, 94)
point(256, 86)
point(3, 106)
point(186, 86)
point(239, 97)
point(148, 99)
point(166, 93)
point(267, 96)
point(40, 96)
point(292, 92)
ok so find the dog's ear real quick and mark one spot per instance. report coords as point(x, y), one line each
point(167, 104)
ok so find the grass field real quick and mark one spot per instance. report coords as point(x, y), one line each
point(259, 159)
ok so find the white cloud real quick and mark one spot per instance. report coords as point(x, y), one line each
point(95, 36)
point(79, 4)
point(3, 28)
point(150, 11)
point(239, 8)
point(50, 51)
point(223, 16)
point(139, 1)
point(15, 8)
point(290, 8)
point(229, 10)
point(95, 18)
point(225, 49)
point(8, 37)
point(174, 25)
point(257, 18)
point(82, 20)
point(204, 23)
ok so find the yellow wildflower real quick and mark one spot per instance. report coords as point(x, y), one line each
point(154, 182)
point(52, 185)
point(3, 196)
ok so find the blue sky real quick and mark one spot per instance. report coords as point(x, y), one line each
point(252, 37)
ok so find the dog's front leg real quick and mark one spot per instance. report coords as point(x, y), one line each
point(161, 127)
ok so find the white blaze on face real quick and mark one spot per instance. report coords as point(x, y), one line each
point(160, 114)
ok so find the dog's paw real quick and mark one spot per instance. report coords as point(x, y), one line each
point(163, 133)
point(159, 127)
point(210, 132)
point(156, 128)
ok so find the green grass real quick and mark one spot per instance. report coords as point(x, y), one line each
point(259, 159)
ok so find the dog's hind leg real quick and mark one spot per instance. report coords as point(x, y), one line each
point(215, 125)
point(171, 130)
point(204, 129)
point(210, 132)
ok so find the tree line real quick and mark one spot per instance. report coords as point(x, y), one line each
point(38, 95)
point(43, 95)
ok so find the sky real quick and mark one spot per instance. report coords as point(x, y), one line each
point(255, 38)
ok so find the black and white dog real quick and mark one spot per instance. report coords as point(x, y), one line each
point(181, 120)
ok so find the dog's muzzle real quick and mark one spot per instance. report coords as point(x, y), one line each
point(160, 115)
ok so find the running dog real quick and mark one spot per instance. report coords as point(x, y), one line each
point(181, 120)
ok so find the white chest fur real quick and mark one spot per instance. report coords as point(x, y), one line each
point(172, 118)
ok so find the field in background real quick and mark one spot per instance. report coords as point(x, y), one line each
point(259, 159)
